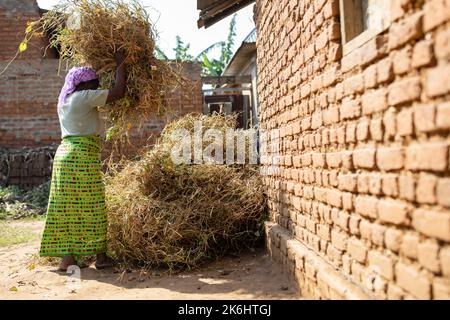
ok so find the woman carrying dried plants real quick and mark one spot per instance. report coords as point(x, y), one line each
point(76, 222)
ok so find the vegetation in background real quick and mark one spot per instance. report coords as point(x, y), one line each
point(181, 51)
point(210, 66)
point(16, 203)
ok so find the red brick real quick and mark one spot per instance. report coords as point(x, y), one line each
point(432, 223)
point(367, 206)
point(412, 281)
point(354, 224)
point(385, 70)
point(354, 85)
point(351, 61)
point(363, 183)
point(424, 117)
point(442, 47)
point(323, 231)
point(404, 91)
point(441, 289)
point(422, 54)
point(333, 159)
point(335, 256)
point(444, 256)
point(350, 133)
point(357, 250)
point(330, 77)
point(398, 9)
point(318, 160)
point(389, 185)
point(370, 77)
point(409, 245)
point(426, 189)
point(374, 102)
point(392, 211)
point(405, 31)
point(376, 129)
point(347, 201)
point(350, 109)
point(403, 61)
point(334, 198)
point(438, 81)
point(364, 158)
point(331, 9)
point(347, 182)
point(377, 234)
point(372, 50)
point(389, 159)
point(443, 192)
point(375, 184)
point(443, 116)
point(407, 187)
point(428, 254)
point(339, 240)
point(343, 220)
point(436, 13)
point(394, 292)
point(392, 239)
point(383, 265)
point(431, 156)
point(405, 122)
point(390, 123)
point(365, 228)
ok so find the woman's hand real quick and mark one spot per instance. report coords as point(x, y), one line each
point(118, 91)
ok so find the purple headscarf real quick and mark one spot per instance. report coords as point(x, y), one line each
point(74, 77)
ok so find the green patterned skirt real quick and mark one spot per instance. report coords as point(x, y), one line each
point(76, 219)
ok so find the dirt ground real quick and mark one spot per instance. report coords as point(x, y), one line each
point(249, 276)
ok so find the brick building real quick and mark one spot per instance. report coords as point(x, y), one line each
point(359, 92)
point(29, 92)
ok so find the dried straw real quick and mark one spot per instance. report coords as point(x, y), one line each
point(181, 216)
point(102, 27)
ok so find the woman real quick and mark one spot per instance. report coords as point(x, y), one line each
point(76, 219)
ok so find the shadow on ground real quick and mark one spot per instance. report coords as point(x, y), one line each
point(251, 275)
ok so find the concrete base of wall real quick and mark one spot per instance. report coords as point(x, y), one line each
point(314, 277)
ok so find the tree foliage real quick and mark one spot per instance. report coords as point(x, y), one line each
point(210, 66)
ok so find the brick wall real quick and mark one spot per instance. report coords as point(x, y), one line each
point(29, 91)
point(14, 15)
point(360, 201)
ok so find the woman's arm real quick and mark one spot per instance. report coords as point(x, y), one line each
point(118, 92)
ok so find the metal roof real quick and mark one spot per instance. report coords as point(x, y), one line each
point(212, 11)
point(242, 56)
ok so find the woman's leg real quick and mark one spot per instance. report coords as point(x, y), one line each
point(104, 261)
point(66, 262)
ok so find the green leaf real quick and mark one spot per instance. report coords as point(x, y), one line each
point(207, 62)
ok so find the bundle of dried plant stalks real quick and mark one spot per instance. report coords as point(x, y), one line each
point(181, 216)
point(88, 32)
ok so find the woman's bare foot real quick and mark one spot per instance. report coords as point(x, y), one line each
point(104, 261)
point(66, 262)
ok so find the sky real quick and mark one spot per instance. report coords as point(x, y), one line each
point(179, 17)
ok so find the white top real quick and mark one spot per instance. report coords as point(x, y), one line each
point(79, 116)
